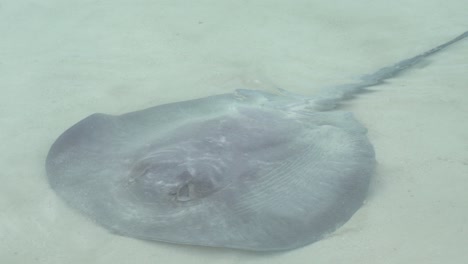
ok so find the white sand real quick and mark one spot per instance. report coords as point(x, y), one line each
point(63, 60)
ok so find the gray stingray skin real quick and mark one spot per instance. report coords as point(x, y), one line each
point(247, 170)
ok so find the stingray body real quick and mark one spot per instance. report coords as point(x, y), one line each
point(248, 170)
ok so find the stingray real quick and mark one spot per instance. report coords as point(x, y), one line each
point(251, 170)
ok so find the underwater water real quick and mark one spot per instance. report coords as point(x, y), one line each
point(61, 61)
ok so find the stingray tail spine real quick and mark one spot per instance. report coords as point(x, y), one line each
point(331, 97)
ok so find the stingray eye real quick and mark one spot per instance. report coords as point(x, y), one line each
point(194, 189)
point(184, 192)
point(197, 187)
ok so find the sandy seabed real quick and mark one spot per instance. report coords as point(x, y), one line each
point(63, 60)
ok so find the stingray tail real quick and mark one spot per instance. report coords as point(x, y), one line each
point(331, 97)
